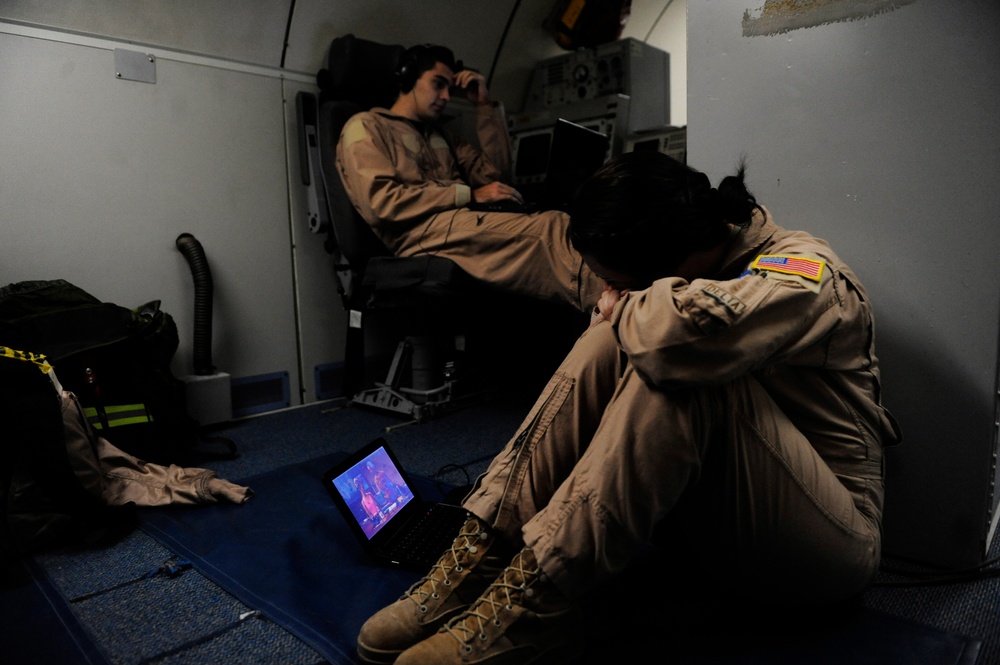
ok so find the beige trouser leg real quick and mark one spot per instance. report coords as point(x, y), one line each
point(529, 255)
point(784, 519)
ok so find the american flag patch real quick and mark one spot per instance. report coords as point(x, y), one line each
point(811, 269)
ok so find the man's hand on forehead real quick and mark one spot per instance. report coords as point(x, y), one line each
point(474, 85)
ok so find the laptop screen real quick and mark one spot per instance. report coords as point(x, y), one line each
point(374, 491)
point(576, 153)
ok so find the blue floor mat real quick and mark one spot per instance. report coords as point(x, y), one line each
point(288, 553)
point(37, 623)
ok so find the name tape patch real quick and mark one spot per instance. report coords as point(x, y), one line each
point(728, 300)
point(811, 269)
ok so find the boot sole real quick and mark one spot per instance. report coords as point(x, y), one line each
point(376, 656)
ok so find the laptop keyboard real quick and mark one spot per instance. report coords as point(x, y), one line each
point(506, 205)
point(429, 536)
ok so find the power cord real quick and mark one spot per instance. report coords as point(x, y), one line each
point(985, 570)
point(452, 491)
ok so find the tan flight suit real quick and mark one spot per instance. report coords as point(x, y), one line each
point(411, 185)
point(745, 407)
point(118, 478)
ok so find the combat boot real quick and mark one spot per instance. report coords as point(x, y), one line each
point(520, 619)
point(455, 581)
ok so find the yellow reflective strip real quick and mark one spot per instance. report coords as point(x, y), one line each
point(116, 422)
point(121, 408)
point(119, 414)
point(91, 414)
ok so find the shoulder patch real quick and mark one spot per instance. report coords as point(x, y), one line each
point(811, 269)
point(438, 143)
point(354, 131)
point(411, 142)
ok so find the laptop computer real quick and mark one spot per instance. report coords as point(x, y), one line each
point(569, 154)
point(385, 513)
point(576, 153)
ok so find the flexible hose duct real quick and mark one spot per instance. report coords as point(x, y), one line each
point(195, 255)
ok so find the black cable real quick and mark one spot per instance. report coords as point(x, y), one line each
point(447, 234)
point(207, 637)
point(932, 573)
point(939, 581)
point(440, 483)
point(503, 38)
point(975, 573)
point(288, 30)
point(653, 26)
point(172, 567)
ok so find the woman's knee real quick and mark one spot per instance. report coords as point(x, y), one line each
point(595, 356)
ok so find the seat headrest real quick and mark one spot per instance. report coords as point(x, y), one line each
point(360, 71)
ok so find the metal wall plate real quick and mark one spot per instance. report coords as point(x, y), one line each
point(135, 66)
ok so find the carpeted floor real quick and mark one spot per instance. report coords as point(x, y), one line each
point(131, 601)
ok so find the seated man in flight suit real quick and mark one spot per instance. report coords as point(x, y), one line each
point(412, 182)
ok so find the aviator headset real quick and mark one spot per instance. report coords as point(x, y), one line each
point(408, 70)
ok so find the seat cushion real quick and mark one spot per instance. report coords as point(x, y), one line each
point(396, 281)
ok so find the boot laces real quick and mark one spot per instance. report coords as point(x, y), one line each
point(466, 544)
point(504, 594)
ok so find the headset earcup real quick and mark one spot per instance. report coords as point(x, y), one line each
point(405, 73)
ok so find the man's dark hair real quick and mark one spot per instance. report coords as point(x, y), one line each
point(418, 59)
point(644, 212)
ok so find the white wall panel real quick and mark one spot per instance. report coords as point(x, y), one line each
point(250, 31)
point(880, 135)
point(99, 176)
